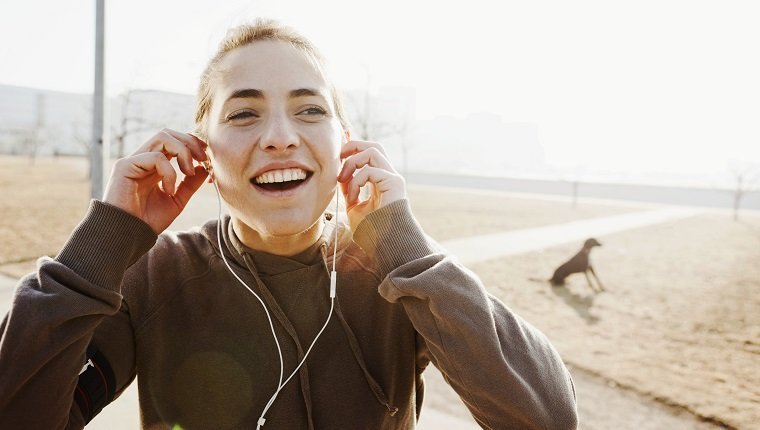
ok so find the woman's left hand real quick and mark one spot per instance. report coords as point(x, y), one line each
point(366, 163)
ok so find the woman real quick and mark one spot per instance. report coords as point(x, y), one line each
point(213, 321)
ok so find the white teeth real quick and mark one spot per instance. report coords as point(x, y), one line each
point(281, 175)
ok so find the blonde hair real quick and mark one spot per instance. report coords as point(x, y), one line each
point(246, 34)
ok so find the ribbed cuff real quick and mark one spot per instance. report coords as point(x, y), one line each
point(392, 237)
point(105, 243)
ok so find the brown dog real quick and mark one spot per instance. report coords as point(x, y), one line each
point(579, 263)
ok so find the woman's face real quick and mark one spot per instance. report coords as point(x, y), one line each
point(274, 139)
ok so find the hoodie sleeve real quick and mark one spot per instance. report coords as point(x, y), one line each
point(504, 369)
point(67, 347)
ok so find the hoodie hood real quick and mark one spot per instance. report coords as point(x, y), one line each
point(266, 264)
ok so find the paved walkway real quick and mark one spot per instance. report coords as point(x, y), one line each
point(481, 248)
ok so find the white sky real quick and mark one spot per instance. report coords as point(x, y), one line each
point(663, 85)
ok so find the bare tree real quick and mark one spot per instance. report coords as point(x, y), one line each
point(131, 121)
point(369, 122)
point(746, 180)
point(81, 134)
point(35, 137)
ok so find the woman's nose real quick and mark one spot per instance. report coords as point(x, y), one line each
point(278, 135)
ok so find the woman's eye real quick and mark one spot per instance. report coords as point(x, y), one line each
point(313, 112)
point(246, 114)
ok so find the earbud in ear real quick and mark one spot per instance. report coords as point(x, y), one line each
point(209, 169)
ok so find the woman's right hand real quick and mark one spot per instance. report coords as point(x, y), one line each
point(134, 182)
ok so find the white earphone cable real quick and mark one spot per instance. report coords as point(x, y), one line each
point(221, 252)
point(333, 284)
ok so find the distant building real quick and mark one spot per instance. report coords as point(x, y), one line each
point(44, 122)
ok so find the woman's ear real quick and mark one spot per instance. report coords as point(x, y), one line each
point(208, 166)
point(200, 135)
point(209, 169)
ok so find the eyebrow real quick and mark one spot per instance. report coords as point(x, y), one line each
point(258, 94)
point(304, 92)
point(246, 94)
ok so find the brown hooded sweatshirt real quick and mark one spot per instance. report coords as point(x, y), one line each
point(120, 302)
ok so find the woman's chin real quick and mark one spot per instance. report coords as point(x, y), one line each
point(280, 227)
point(290, 229)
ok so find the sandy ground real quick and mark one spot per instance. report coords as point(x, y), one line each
point(678, 326)
point(673, 343)
point(679, 322)
point(41, 204)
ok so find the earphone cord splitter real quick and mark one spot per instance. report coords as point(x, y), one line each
point(333, 284)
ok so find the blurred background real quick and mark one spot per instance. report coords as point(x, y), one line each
point(651, 92)
point(521, 127)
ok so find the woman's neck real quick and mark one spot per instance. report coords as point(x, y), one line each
point(284, 245)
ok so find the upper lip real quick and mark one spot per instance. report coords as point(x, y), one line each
point(278, 165)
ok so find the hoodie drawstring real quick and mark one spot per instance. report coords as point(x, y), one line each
point(353, 343)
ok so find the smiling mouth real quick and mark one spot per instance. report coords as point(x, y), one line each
point(281, 179)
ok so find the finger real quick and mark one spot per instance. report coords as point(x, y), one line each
point(344, 188)
point(173, 147)
point(148, 163)
point(189, 186)
point(369, 157)
point(168, 175)
point(355, 146)
point(196, 146)
point(168, 145)
point(381, 178)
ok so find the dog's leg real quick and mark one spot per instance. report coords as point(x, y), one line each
point(598, 282)
point(590, 284)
